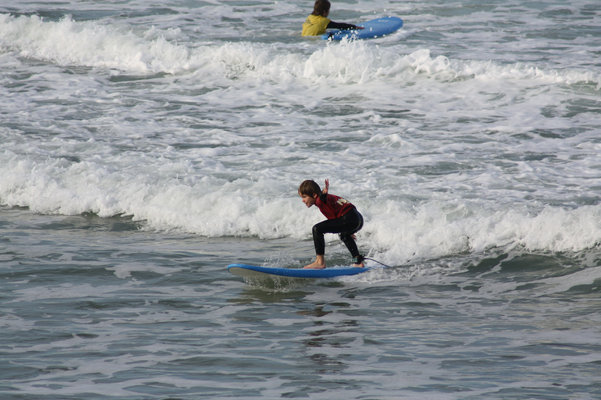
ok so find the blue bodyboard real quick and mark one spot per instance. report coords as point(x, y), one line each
point(254, 271)
point(371, 29)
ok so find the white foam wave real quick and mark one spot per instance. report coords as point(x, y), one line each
point(437, 230)
point(209, 190)
point(395, 230)
point(443, 68)
point(94, 44)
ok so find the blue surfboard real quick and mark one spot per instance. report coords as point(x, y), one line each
point(254, 271)
point(371, 29)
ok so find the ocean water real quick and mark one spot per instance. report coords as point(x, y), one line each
point(144, 146)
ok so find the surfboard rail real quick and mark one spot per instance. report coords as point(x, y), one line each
point(249, 271)
point(371, 29)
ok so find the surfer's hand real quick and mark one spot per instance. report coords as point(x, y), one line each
point(325, 190)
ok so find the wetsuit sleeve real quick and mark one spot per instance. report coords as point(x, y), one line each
point(340, 25)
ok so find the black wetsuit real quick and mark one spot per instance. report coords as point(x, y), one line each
point(345, 225)
point(340, 25)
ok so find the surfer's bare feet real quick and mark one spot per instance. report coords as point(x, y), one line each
point(319, 263)
point(314, 266)
point(358, 262)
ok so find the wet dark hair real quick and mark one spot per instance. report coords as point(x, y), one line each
point(321, 7)
point(309, 188)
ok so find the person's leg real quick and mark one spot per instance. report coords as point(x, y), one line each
point(320, 244)
point(350, 244)
point(346, 226)
point(355, 222)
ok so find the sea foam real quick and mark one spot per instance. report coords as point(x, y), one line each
point(149, 51)
point(216, 143)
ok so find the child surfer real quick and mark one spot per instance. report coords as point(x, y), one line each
point(342, 218)
point(317, 23)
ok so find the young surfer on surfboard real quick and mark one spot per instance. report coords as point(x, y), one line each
point(317, 23)
point(342, 218)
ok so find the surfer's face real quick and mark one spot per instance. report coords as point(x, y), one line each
point(308, 200)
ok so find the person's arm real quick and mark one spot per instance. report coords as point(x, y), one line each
point(324, 193)
point(341, 25)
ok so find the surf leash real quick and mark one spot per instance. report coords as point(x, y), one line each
point(381, 263)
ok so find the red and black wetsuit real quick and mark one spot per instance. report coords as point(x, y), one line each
point(342, 218)
point(333, 206)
